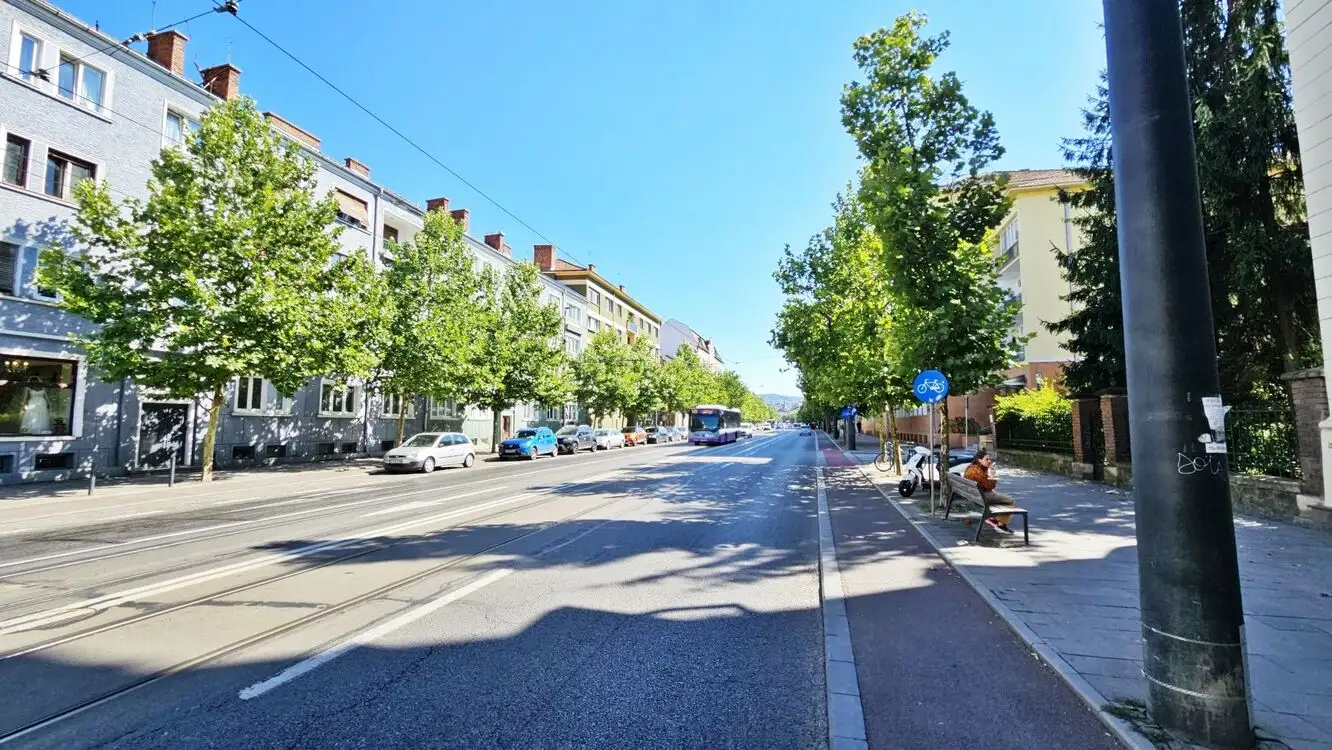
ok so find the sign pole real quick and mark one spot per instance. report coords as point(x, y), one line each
point(1189, 583)
point(930, 466)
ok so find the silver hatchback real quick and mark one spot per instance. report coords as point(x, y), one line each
point(425, 451)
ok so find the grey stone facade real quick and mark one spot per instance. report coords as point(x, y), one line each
point(60, 419)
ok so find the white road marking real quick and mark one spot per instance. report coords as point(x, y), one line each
point(367, 637)
point(57, 614)
point(426, 503)
point(12, 532)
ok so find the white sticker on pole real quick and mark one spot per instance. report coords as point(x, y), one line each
point(1215, 411)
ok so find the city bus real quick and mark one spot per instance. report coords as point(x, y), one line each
point(711, 424)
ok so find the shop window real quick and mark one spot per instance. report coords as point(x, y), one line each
point(349, 447)
point(275, 451)
point(52, 461)
point(325, 449)
point(242, 453)
point(36, 396)
point(388, 445)
point(6, 463)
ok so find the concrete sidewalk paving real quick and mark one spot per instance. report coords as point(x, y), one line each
point(1073, 594)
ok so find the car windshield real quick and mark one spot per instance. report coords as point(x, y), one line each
point(603, 433)
point(422, 440)
point(628, 430)
point(652, 429)
point(568, 430)
point(527, 433)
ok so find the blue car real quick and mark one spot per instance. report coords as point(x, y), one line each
point(530, 442)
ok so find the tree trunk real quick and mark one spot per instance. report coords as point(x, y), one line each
point(210, 438)
point(890, 436)
point(494, 430)
point(402, 418)
point(946, 433)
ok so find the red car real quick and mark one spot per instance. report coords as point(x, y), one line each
point(634, 436)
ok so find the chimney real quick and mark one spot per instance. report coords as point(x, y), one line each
point(437, 204)
point(496, 241)
point(544, 257)
point(460, 215)
point(357, 167)
point(292, 131)
point(622, 289)
point(223, 81)
point(167, 48)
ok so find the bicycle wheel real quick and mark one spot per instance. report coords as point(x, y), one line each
point(883, 462)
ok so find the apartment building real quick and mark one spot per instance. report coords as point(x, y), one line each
point(70, 111)
point(609, 306)
point(676, 333)
point(1037, 225)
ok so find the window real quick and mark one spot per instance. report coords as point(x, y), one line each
point(242, 453)
point(82, 83)
point(254, 394)
point(49, 461)
point(445, 409)
point(349, 447)
point(36, 396)
point(30, 57)
point(393, 403)
point(1008, 240)
point(275, 451)
point(178, 126)
point(64, 172)
point(9, 254)
point(352, 210)
point(595, 298)
point(390, 236)
point(337, 398)
point(594, 324)
point(16, 160)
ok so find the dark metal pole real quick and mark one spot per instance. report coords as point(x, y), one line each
point(1192, 618)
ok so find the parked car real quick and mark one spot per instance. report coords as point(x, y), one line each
point(530, 442)
point(425, 451)
point(746, 430)
point(660, 434)
point(574, 438)
point(681, 433)
point(634, 435)
point(607, 439)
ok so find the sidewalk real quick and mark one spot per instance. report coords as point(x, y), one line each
point(1073, 596)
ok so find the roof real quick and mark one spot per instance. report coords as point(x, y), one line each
point(1024, 179)
point(564, 265)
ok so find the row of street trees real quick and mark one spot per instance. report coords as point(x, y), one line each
point(904, 279)
point(614, 377)
point(232, 267)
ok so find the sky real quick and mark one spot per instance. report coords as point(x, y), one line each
point(679, 146)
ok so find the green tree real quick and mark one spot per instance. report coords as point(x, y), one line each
point(228, 269)
point(647, 379)
point(687, 381)
point(1256, 232)
point(603, 381)
point(431, 342)
point(730, 389)
point(520, 340)
point(934, 209)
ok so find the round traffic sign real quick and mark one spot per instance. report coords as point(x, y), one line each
point(930, 387)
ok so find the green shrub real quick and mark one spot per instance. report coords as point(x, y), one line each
point(1040, 418)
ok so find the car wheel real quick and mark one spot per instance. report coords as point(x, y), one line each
point(428, 465)
point(532, 454)
point(468, 460)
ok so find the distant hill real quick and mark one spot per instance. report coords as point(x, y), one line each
point(781, 402)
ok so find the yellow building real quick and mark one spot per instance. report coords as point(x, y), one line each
point(1037, 225)
point(608, 305)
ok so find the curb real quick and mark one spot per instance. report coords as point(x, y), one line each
point(1084, 690)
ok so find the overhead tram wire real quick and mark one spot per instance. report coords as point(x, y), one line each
point(406, 139)
point(230, 6)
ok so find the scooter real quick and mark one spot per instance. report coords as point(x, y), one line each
point(914, 469)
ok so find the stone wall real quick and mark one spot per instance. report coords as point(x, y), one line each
point(1268, 497)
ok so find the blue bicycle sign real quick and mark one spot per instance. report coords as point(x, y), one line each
point(931, 387)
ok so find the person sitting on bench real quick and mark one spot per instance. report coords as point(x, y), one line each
point(981, 471)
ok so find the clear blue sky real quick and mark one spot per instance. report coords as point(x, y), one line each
point(678, 145)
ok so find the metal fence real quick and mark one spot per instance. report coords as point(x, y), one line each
point(1262, 441)
point(1024, 436)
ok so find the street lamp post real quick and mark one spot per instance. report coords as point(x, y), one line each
point(1192, 618)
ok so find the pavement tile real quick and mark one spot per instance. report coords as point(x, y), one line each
point(842, 678)
point(1119, 688)
point(1128, 669)
point(1289, 725)
point(845, 717)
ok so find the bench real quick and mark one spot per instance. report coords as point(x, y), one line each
point(969, 491)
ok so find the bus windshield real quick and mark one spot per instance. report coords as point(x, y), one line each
point(708, 422)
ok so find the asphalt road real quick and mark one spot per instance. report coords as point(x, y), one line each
point(649, 597)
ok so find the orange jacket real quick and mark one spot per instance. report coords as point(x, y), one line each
point(977, 473)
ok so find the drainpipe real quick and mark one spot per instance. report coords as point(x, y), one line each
point(120, 424)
